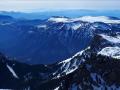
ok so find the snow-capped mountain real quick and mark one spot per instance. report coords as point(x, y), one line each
point(93, 68)
point(93, 43)
point(86, 19)
point(53, 39)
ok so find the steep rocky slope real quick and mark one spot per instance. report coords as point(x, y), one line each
point(96, 67)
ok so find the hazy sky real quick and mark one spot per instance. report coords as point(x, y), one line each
point(34, 5)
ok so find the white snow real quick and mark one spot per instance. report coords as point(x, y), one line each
point(97, 19)
point(71, 70)
point(57, 88)
point(12, 71)
point(69, 66)
point(6, 89)
point(58, 19)
point(111, 39)
point(76, 26)
point(113, 52)
point(41, 26)
point(85, 18)
point(77, 54)
point(69, 59)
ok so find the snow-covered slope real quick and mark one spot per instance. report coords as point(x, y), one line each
point(58, 19)
point(94, 64)
point(113, 52)
point(112, 39)
point(113, 49)
point(91, 19)
point(12, 71)
point(97, 19)
point(69, 65)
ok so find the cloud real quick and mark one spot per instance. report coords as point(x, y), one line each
point(29, 5)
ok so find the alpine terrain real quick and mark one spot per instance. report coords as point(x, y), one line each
point(81, 53)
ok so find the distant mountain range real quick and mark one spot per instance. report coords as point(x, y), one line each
point(53, 39)
point(60, 53)
point(69, 13)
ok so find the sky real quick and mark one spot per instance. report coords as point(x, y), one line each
point(37, 5)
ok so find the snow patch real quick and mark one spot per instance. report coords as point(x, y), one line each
point(113, 52)
point(97, 19)
point(41, 26)
point(111, 39)
point(76, 26)
point(77, 54)
point(91, 19)
point(70, 65)
point(57, 88)
point(58, 19)
point(12, 71)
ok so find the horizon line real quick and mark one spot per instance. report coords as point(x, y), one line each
point(55, 10)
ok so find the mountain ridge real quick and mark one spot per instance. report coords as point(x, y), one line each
point(85, 70)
